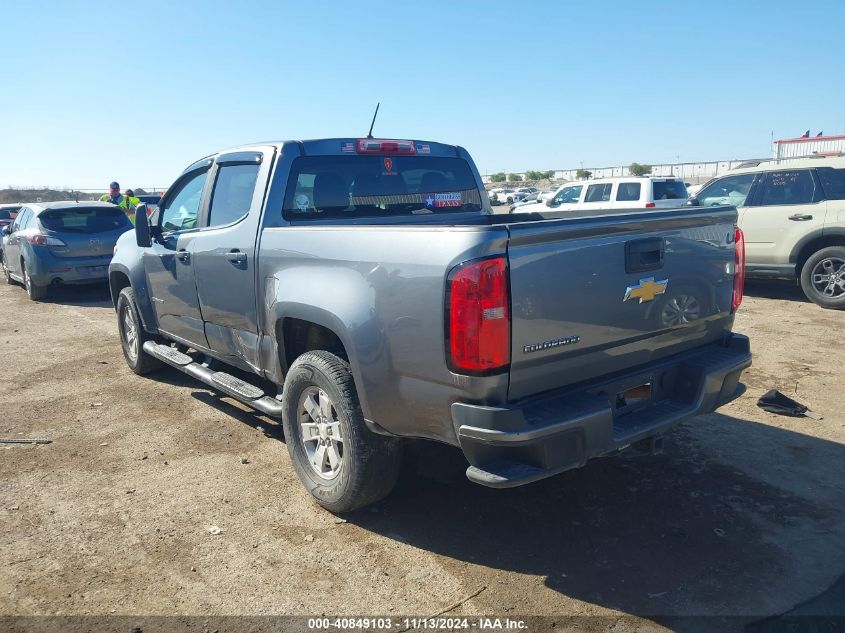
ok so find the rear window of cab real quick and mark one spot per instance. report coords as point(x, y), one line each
point(378, 186)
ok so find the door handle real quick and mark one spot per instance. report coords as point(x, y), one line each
point(800, 217)
point(183, 256)
point(236, 257)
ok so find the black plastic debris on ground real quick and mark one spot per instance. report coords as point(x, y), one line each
point(774, 401)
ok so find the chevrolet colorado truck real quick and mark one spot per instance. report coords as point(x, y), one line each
point(362, 292)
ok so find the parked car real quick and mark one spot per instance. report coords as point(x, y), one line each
point(370, 284)
point(647, 192)
point(692, 190)
point(8, 212)
point(501, 195)
point(793, 216)
point(149, 199)
point(548, 193)
point(520, 194)
point(59, 243)
point(524, 199)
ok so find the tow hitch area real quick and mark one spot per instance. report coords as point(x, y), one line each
point(633, 398)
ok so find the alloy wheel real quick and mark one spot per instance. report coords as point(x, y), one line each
point(320, 433)
point(828, 277)
point(130, 332)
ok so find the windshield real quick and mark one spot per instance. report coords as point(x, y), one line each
point(97, 220)
point(378, 186)
point(8, 214)
point(732, 190)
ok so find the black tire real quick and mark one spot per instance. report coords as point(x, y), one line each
point(6, 274)
point(34, 292)
point(368, 463)
point(823, 278)
point(133, 345)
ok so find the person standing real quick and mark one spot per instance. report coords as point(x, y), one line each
point(124, 201)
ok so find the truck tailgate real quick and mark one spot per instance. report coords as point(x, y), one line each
point(600, 294)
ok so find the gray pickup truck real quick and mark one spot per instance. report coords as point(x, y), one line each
point(362, 291)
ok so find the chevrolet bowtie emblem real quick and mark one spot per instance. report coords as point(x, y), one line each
point(646, 290)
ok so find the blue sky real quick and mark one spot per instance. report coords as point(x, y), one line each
point(136, 91)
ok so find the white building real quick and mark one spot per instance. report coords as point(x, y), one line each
point(808, 146)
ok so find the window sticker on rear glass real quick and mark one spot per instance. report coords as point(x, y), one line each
point(347, 147)
point(388, 167)
point(423, 148)
point(439, 200)
point(302, 202)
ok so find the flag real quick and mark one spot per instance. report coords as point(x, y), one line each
point(820, 134)
point(806, 134)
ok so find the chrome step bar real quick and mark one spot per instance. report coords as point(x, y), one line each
point(232, 386)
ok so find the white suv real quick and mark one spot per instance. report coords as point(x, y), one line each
point(646, 192)
point(793, 216)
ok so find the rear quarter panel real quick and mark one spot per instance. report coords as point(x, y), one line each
point(381, 290)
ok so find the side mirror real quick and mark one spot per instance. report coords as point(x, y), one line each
point(551, 202)
point(693, 202)
point(142, 227)
point(7, 230)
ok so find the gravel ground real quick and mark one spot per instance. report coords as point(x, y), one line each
point(742, 514)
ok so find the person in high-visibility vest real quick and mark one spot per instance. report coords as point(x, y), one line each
point(125, 201)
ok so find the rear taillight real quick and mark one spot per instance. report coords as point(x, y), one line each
point(739, 268)
point(37, 239)
point(650, 205)
point(478, 317)
point(380, 146)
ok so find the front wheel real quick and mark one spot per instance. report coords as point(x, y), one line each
point(823, 277)
point(133, 336)
point(6, 274)
point(343, 464)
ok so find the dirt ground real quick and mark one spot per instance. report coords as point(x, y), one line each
point(742, 515)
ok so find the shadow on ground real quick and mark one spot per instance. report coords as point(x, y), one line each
point(88, 295)
point(775, 289)
point(663, 536)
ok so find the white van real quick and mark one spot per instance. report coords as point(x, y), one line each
point(647, 192)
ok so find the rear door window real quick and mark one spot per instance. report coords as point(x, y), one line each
point(232, 196)
point(379, 186)
point(20, 221)
point(81, 220)
point(795, 186)
point(669, 190)
point(628, 191)
point(598, 193)
point(833, 182)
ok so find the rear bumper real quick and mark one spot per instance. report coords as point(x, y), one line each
point(551, 433)
point(47, 269)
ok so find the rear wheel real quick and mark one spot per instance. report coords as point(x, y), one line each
point(823, 277)
point(36, 293)
point(133, 336)
point(341, 462)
